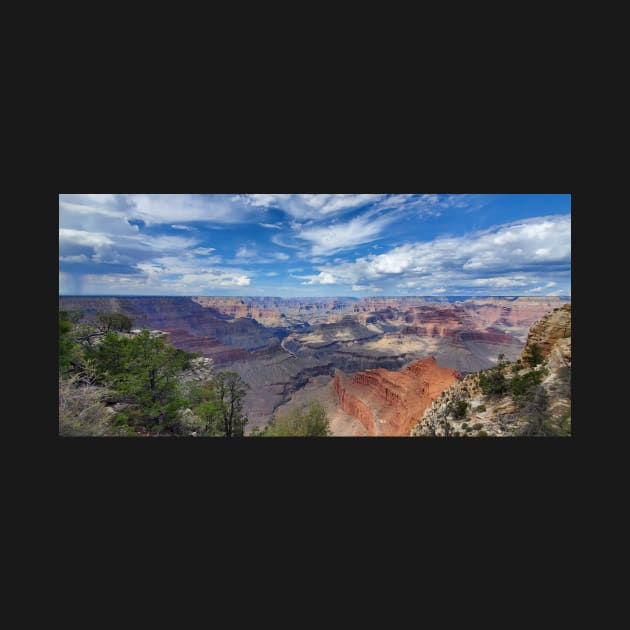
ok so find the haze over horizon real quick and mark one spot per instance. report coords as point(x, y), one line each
point(324, 245)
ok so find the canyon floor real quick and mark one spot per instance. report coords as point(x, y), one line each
point(290, 351)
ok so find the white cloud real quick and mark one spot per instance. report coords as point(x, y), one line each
point(74, 259)
point(323, 278)
point(83, 238)
point(203, 251)
point(312, 205)
point(251, 253)
point(274, 226)
point(543, 288)
point(183, 227)
point(366, 287)
point(246, 252)
point(336, 237)
point(502, 282)
point(504, 257)
point(156, 209)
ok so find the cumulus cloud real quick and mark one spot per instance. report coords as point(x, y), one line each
point(502, 257)
point(324, 277)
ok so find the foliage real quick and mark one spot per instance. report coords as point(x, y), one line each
point(520, 384)
point(480, 409)
point(117, 322)
point(227, 405)
point(65, 343)
point(476, 427)
point(82, 411)
point(533, 355)
point(492, 382)
point(457, 408)
point(141, 370)
point(482, 434)
point(311, 422)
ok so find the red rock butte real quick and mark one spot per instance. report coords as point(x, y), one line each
point(389, 403)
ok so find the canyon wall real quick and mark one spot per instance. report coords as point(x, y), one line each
point(389, 403)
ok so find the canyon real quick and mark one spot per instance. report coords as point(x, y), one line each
point(390, 355)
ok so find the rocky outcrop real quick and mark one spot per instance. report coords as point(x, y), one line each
point(549, 330)
point(389, 403)
point(534, 401)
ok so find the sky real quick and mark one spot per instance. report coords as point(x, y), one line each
point(308, 245)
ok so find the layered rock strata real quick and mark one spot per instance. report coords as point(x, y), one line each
point(388, 403)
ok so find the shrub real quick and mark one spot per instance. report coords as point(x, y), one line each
point(311, 422)
point(533, 355)
point(492, 382)
point(480, 408)
point(477, 426)
point(458, 408)
point(482, 434)
point(519, 385)
point(121, 420)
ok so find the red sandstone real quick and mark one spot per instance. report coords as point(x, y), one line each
point(389, 403)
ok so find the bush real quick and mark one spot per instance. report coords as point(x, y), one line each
point(477, 426)
point(311, 422)
point(121, 420)
point(520, 385)
point(107, 322)
point(458, 408)
point(480, 408)
point(492, 382)
point(82, 411)
point(533, 355)
point(482, 434)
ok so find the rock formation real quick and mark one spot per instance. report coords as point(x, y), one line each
point(540, 406)
point(388, 403)
point(550, 330)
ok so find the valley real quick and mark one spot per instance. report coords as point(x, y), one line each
point(340, 351)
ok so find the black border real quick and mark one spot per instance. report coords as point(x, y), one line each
point(263, 160)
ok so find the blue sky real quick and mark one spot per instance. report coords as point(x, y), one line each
point(291, 245)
